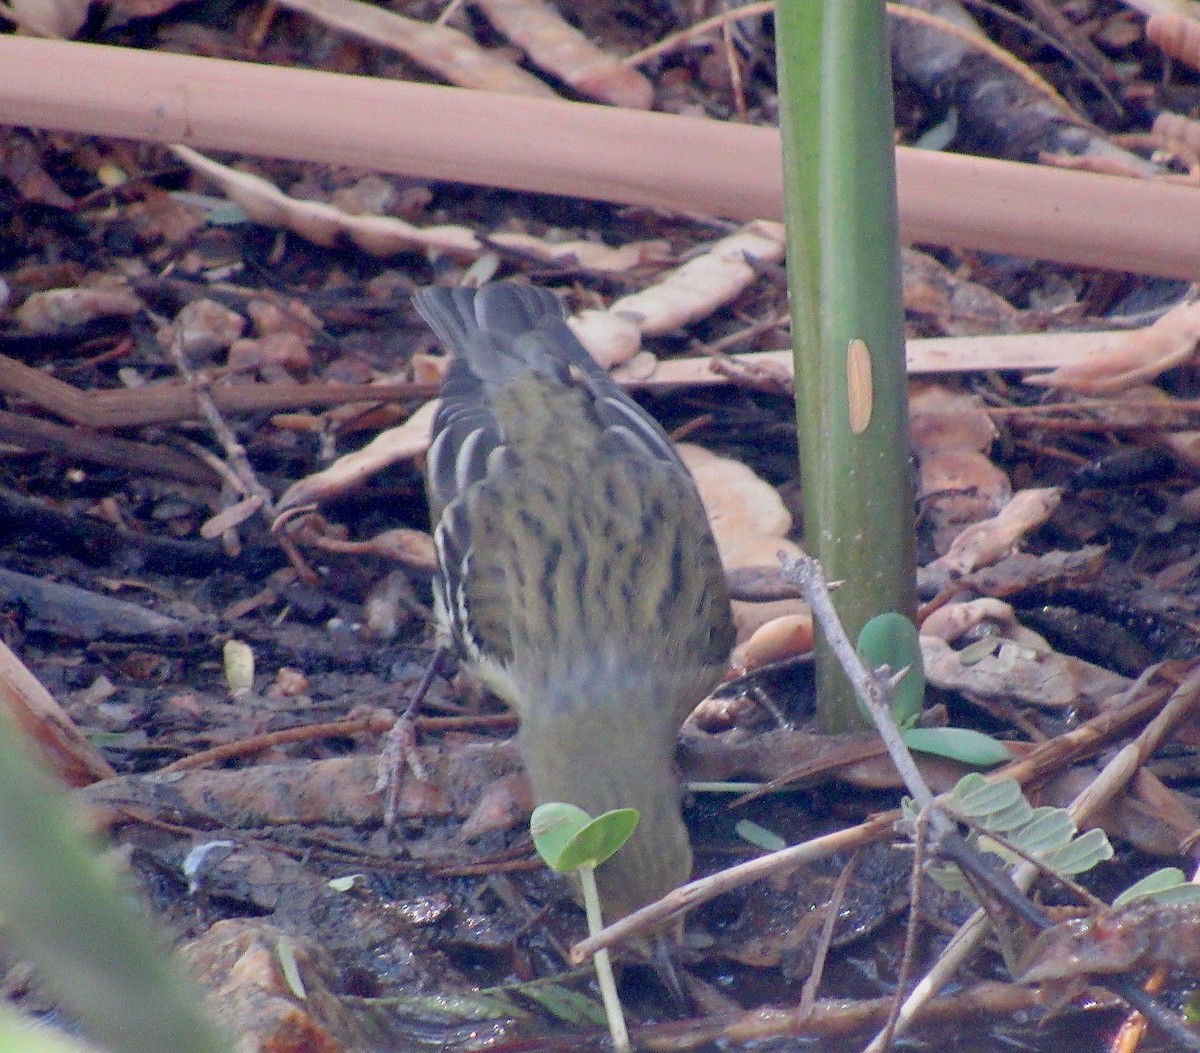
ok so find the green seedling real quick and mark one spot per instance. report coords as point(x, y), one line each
point(571, 841)
point(891, 640)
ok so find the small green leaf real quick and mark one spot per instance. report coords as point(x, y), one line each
point(1047, 830)
point(1188, 892)
point(960, 744)
point(552, 826)
point(238, 658)
point(1011, 818)
point(948, 877)
point(285, 955)
point(976, 652)
point(891, 639)
point(759, 836)
point(975, 797)
point(1191, 1011)
point(1081, 854)
point(479, 1005)
point(1168, 885)
point(592, 845)
point(568, 1006)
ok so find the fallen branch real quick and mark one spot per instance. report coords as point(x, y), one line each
point(598, 152)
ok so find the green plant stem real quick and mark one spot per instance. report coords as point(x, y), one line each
point(847, 320)
point(604, 973)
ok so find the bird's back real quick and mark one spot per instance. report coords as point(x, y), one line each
point(538, 462)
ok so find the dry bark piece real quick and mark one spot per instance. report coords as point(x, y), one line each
point(637, 370)
point(163, 403)
point(425, 368)
point(31, 433)
point(988, 541)
point(583, 255)
point(957, 483)
point(958, 307)
point(954, 620)
point(57, 309)
point(275, 357)
point(36, 715)
point(1146, 407)
point(452, 55)
point(1177, 130)
point(79, 614)
point(504, 804)
point(1141, 356)
point(774, 641)
point(239, 963)
point(280, 983)
point(1138, 936)
point(21, 164)
point(692, 291)
point(292, 316)
point(1178, 35)
point(409, 440)
point(230, 518)
point(944, 419)
point(610, 338)
point(202, 327)
point(557, 47)
point(940, 47)
point(335, 791)
point(324, 224)
point(750, 524)
point(781, 924)
point(388, 606)
point(1022, 570)
point(958, 487)
point(1050, 681)
point(403, 545)
point(48, 18)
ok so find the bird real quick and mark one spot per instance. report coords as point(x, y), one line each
point(578, 575)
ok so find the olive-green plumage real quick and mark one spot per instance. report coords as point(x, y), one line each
point(579, 577)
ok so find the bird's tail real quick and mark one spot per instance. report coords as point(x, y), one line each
point(502, 329)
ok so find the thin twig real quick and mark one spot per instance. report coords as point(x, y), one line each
point(873, 688)
point(243, 475)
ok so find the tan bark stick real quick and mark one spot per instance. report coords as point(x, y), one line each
point(944, 354)
point(55, 737)
point(549, 146)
